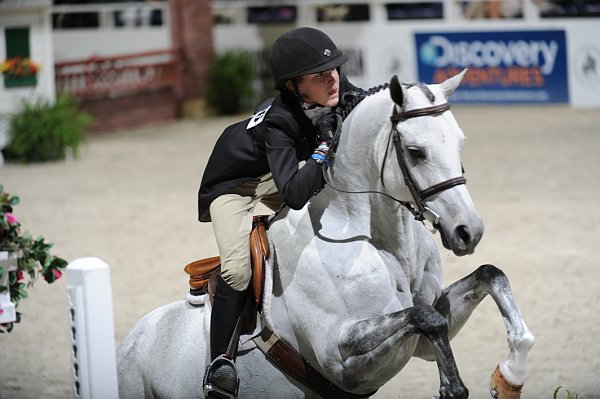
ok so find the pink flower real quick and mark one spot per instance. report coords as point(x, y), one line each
point(1, 310)
point(57, 274)
point(10, 218)
point(20, 275)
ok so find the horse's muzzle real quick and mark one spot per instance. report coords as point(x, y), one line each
point(463, 238)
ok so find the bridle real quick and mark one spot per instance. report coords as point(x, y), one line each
point(418, 208)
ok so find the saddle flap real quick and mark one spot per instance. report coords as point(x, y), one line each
point(201, 271)
point(259, 248)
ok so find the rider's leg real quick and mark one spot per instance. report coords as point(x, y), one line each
point(268, 194)
point(231, 215)
point(227, 306)
point(221, 378)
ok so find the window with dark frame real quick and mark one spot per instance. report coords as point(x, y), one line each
point(419, 10)
point(341, 12)
point(17, 42)
point(17, 46)
point(76, 20)
point(569, 9)
point(275, 14)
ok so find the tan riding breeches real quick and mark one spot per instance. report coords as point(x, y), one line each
point(231, 215)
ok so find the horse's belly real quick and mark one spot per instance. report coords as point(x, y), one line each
point(260, 379)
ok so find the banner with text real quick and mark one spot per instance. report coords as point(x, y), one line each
point(504, 66)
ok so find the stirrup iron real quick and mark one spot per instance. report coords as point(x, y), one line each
point(215, 383)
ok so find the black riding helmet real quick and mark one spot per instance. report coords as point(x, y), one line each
point(302, 51)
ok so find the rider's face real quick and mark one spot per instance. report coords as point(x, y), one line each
point(320, 88)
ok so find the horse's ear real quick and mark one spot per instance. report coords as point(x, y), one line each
point(451, 84)
point(397, 91)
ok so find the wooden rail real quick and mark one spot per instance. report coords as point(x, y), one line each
point(115, 76)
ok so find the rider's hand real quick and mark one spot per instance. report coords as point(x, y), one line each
point(326, 126)
point(320, 153)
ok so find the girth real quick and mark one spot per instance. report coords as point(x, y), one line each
point(287, 359)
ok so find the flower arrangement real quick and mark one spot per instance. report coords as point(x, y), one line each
point(33, 255)
point(19, 67)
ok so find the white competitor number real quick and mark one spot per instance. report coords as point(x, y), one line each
point(257, 118)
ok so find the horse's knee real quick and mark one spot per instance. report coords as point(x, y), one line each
point(491, 275)
point(522, 342)
point(428, 321)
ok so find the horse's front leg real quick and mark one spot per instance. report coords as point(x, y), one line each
point(458, 302)
point(366, 343)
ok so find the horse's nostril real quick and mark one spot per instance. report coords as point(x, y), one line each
point(463, 233)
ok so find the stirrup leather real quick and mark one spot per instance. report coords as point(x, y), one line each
point(220, 379)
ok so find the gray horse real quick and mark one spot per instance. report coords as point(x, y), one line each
point(354, 279)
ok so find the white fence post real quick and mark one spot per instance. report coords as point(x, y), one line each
point(91, 329)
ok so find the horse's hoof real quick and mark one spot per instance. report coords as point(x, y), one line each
point(221, 380)
point(502, 389)
point(455, 392)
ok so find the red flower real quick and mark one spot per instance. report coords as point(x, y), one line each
point(57, 274)
point(19, 67)
point(10, 218)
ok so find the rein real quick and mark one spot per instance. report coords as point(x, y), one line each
point(419, 209)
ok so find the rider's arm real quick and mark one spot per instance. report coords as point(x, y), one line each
point(285, 148)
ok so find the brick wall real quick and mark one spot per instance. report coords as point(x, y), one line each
point(191, 29)
point(131, 111)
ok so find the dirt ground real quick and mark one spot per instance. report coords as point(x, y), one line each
point(130, 200)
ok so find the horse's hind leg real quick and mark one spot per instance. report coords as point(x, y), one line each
point(460, 299)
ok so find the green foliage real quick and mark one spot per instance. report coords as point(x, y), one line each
point(34, 256)
point(43, 131)
point(570, 395)
point(229, 90)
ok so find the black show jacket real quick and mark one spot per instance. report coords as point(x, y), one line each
point(284, 138)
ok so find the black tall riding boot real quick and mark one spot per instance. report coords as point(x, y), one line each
point(220, 379)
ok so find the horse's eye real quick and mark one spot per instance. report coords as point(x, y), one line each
point(416, 153)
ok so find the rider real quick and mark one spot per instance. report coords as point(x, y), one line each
point(257, 160)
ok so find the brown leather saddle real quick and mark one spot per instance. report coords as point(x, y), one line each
point(204, 272)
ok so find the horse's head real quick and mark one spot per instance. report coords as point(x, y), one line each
point(427, 142)
point(404, 143)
